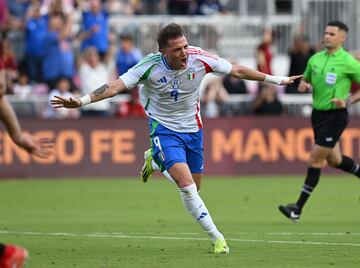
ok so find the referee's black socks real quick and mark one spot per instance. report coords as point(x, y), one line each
point(312, 179)
point(348, 165)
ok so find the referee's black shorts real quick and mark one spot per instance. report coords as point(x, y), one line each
point(328, 126)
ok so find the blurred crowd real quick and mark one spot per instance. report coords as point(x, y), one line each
point(45, 56)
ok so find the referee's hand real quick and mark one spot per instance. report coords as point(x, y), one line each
point(339, 103)
point(304, 86)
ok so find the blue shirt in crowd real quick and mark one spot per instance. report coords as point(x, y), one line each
point(59, 58)
point(36, 30)
point(97, 39)
point(124, 61)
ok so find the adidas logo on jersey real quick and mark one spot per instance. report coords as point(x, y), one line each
point(162, 80)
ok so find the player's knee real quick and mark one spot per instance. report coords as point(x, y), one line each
point(315, 162)
point(333, 163)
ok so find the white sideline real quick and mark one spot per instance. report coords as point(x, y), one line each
point(315, 234)
point(121, 235)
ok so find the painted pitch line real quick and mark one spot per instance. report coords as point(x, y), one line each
point(106, 235)
point(315, 234)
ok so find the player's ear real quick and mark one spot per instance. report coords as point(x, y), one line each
point(162, 50)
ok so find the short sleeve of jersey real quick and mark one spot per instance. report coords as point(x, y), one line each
point(307, 72)
point(139, 72)
point(354, 70)
point(212, 62)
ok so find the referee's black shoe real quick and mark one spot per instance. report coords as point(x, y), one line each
point(291, 211)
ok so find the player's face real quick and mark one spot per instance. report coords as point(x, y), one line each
point(176, 52)
point(333, 37)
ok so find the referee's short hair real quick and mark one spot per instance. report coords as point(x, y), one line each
point(336, 23)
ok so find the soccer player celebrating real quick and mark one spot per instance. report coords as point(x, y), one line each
point(329, 73)
point(171, 80)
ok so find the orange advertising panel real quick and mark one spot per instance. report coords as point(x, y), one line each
point(114, 147)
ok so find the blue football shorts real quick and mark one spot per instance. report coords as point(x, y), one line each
point(170, 147)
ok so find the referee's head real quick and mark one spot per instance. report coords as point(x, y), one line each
point(335, 35)
point(339, 24)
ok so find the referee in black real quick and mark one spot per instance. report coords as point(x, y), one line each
point(329, 74)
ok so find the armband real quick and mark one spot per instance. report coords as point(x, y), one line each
point(272, 79)
point(85, 100)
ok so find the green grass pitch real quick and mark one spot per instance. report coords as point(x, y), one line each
point(125, 223)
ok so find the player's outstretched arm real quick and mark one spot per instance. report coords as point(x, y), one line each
point(105, 91)
point(243, 72)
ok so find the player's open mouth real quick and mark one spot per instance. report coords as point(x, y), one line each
point(183, 61)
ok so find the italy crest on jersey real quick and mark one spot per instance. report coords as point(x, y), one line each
point(175, 83)
point(191, 74)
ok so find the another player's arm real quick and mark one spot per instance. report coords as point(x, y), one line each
point(305, 83)
point(104, 92)
point(12, 125)
point(243, 72)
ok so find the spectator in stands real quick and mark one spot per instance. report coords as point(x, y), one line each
point(10, 64)
point(151, 8)
point(209, 7)
point(233, 85)
point(132, 107)
point(263, 52)
point(36, 27)
point(266, 102)
point(57, 7)
point(128, 55)
point(94, 72)
point(17, 14)
point(180, 7)
point(4, 15)
point(116, 7)
point(18, 8)
point(62, 89)
point(59, 56)
point(95, 28)
point(213, 97)
point(22, 88)
point(299, 55)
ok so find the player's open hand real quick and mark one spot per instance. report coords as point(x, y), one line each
point(290, 80)
point(339, 103)
point(41, 148)
point(304, 86)
point(60, 102)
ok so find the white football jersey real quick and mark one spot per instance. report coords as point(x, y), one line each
point(171, 97)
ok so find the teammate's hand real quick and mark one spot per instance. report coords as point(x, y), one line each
point(40, 148)
point(290, 80)
point(304, 86)
point(59, 102)
point(339, 103)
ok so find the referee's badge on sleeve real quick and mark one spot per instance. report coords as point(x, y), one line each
point(330, 78)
